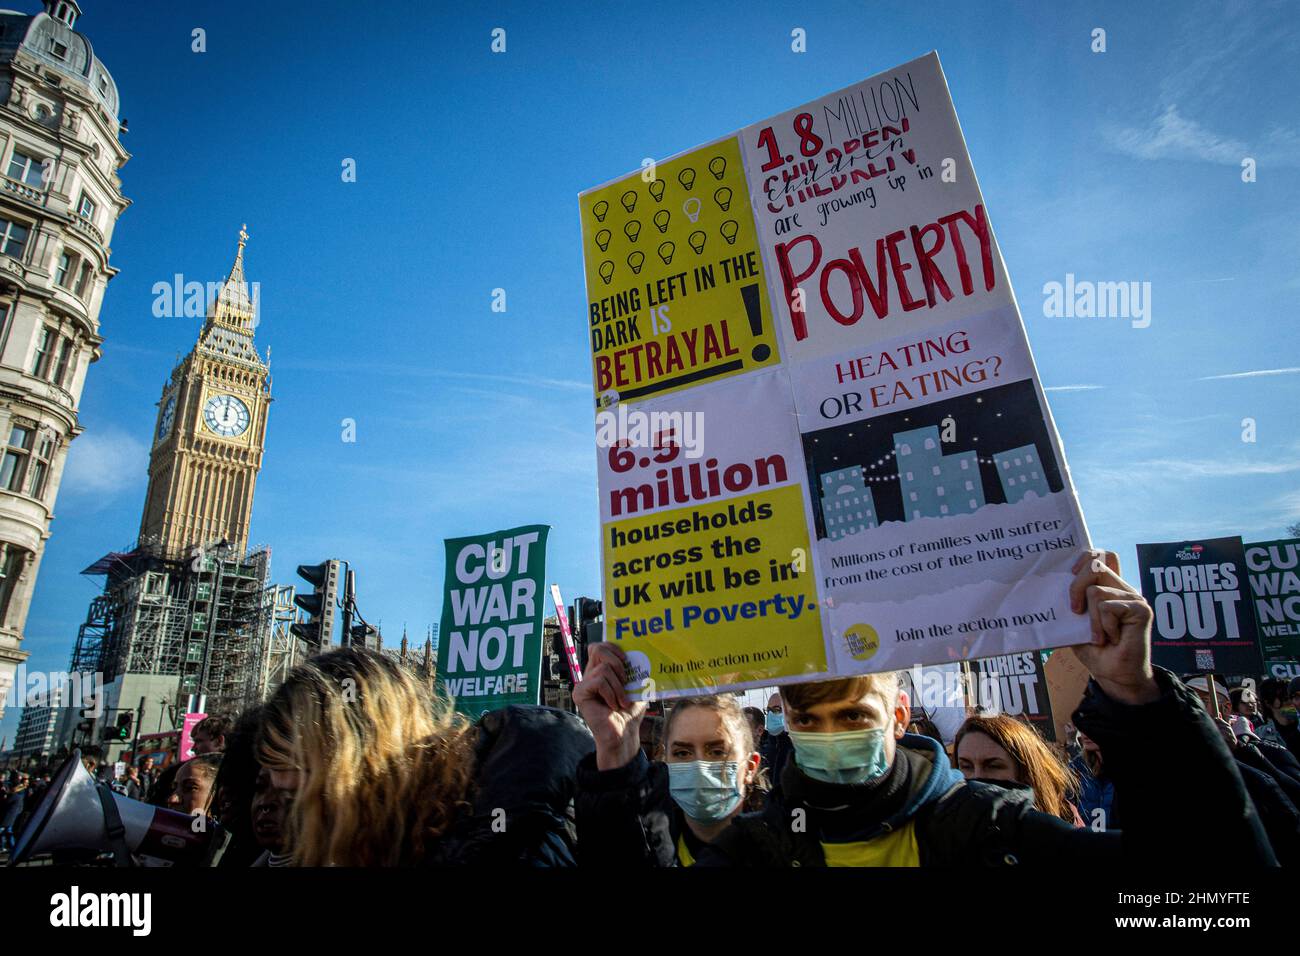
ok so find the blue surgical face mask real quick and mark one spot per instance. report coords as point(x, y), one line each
point(774, 723)
point(854, 756)
point(707, 792)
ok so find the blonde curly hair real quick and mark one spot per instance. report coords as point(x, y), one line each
point(385, 762)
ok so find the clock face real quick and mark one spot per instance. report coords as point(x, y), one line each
point(226, 415)
point(168, 416)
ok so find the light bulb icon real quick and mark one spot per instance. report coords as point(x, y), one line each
point(729, 230)
point(696, 239)
point(717, 166)
point(666, 252)
point(687, 178)
point(636, 260)
point(601, 209)
point(629, 200)
point(661, 220)
point(602, 239)
point(632, 230)
point(606, 271)
point(657, 190)
point(723, 198)
point(692, 208)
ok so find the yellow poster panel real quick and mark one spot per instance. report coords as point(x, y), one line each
point(714, 595)
point(675, 285)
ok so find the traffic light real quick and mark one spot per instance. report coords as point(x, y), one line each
point(318, 629)
point(123, 729)
point(365, 635)
point(589, 626)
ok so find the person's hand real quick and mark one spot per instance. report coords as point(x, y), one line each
point(614, 720)
point(1119, 654)
point(1229, 735)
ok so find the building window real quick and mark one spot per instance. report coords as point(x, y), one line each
point(44, 349)
point(13, 238)
point(67, 262)
point(58, 50)
point(11, 566)
point(27, 169)
point(64, 364)
point(83, 280)
point(14, 467)
point(86, 208)
point(103, 83)
point(41, 467)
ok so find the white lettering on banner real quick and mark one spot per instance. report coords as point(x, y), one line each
point(477, 605)
point(1186, 596)
point(489, 685)
point(469, 651)
point(495, 570)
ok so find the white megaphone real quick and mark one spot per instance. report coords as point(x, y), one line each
point(78, 814)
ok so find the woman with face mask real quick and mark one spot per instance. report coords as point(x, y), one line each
point(632, 811)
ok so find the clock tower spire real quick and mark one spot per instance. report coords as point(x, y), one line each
point(211, 429)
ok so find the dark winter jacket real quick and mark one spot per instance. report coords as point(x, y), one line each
point(929, 815)
point(1290, 734)
point(1277, 813)
point(13, 807)
point(526, 763)
point(1283, 760)
point(775, 749)
point(627, 817)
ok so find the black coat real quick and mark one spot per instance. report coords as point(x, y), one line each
point(626, 817)
point(1277, 812)
point(526, 763)
point(1167, 759)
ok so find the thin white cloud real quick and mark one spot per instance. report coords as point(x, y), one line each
point(1141, 472)
point(1256, 373)
point(1173, 136)
point(529, 380)
point(1072, 388)
point(104, 463)
point(387, 369)
point(1287, 507)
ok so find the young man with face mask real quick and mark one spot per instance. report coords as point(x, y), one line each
point(859, 791)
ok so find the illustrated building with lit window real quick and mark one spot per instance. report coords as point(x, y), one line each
point(935, 485)
point(60, 197)
point(847, 503)
point(1021, 473)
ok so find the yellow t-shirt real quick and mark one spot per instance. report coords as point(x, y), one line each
point(684, 855)
point(895, 848)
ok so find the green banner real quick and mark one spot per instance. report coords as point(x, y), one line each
point(1275, 584)
point(490, 652)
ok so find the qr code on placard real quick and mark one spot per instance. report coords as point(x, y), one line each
point(1205, 660)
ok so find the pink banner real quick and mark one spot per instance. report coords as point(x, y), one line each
point(187, 730)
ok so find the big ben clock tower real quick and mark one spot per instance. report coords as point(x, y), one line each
point(211, 428)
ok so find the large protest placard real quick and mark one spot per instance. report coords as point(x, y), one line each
point(1204, 619)
point(1014, 685)
point(823, 448)
point(1274, 571)
point(492, 611)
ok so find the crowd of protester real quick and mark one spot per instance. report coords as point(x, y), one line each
point(356, 760)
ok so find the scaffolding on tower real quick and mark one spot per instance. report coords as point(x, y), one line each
point(198, 617)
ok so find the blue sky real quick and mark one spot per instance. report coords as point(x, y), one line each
point(376, 295)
